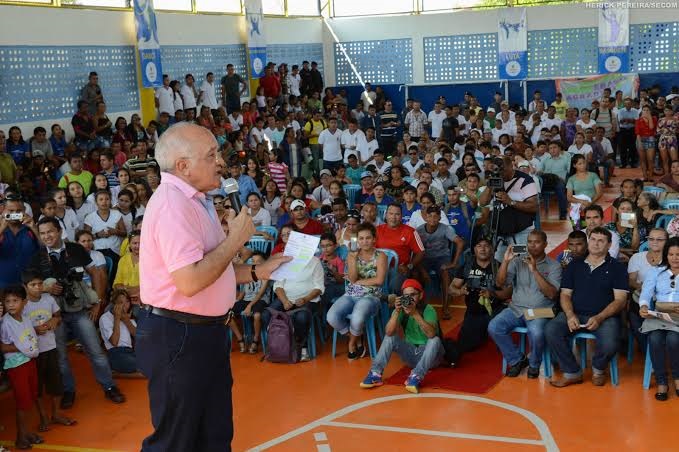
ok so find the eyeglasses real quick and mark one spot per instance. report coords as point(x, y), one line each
point(412, 153)
point(659, 239)
point(297, 208)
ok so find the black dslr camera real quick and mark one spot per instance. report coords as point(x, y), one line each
point(478, 284)
point(406, 301)
point(74, 275)
point(495, 181)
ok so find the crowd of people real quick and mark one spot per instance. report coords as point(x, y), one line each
point(410, 203)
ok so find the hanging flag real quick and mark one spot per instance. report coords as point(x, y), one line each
point(254, 19)
point(613, 39)
point(512, 44)
point(148, 45)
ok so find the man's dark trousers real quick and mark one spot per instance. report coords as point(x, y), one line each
point(189, 372)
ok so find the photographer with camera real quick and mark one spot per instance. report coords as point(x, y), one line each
point(18, 240)
point(515, 201)
point(476, 281)
point(63, 265)
point(412, 332)
point(534, 279)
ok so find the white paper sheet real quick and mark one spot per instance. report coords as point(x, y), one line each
point(662, 316)
point(302, 248)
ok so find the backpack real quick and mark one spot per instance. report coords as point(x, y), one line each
point(280, 343)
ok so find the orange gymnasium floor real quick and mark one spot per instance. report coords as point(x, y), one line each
point(318, 406)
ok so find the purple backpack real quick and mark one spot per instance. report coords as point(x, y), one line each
point(280, 341)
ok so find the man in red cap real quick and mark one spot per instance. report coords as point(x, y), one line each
point(412, 332)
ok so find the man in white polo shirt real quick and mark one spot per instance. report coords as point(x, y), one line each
point(329, 140)
point(165, 97)
point(207, 94)
point(436, 118)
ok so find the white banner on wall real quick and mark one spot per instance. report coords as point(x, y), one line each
point(254, 19)
point(512, 44)
point(148, 45)
point(613, 39)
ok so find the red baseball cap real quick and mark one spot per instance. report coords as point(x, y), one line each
point(412, 283)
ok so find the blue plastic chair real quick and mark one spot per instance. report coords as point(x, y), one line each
point(342, 252)
point(271, 230)
point(663, 221)
point(409, 179)
point(582, 339)
point(381, 212)
point(657, 191)
point(392, 274)
point(648, 367)
point(369, 332)
point(643, 246)
point(260, 244)
point(522, 331)
point(350, 190)
point(671, 205)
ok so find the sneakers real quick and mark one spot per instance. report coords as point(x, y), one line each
point(67, 400)
point(533, 372)
point(304, 356)
point(516, 369)
point(413, 383)
point(356, 354)
point(114, 395)
point(373, 380)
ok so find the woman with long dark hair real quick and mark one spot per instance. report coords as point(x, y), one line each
point(661, 286)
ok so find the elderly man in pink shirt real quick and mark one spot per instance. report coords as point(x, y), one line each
point(189, 285)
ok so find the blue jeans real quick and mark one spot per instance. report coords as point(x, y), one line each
point(83, 329)
point(421, 358)
point(662, 343)
point(606, 165)
point(559, 189)
point(361, 309)
point(558, 338)
point(189, 384)
point(122, 359)
point(500, 329)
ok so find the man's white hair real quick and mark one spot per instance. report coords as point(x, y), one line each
point(177, 142)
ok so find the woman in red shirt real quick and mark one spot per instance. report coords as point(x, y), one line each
point(645, 129)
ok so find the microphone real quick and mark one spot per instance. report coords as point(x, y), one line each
point(230, 187)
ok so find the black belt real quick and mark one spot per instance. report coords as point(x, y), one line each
point(192, 319)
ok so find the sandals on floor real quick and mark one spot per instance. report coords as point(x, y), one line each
point(254, 345)
point(241, 346)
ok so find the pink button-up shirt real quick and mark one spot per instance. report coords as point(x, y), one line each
point(179, 231)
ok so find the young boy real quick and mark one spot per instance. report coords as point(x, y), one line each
point(48, 209)
point(333, 267)
point(43, 312)
point(117, 329)
point(460, 214)
point(19, 344)
point(577, 248)
point(252, 299)
point(410, 204)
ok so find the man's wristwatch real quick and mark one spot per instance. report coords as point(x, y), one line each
point(512, 203)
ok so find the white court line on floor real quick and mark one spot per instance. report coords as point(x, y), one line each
point(323, 448)
point(419, 431)
point(547, 440)
point(320, 437)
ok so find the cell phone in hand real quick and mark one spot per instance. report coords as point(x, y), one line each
point(519, 249)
